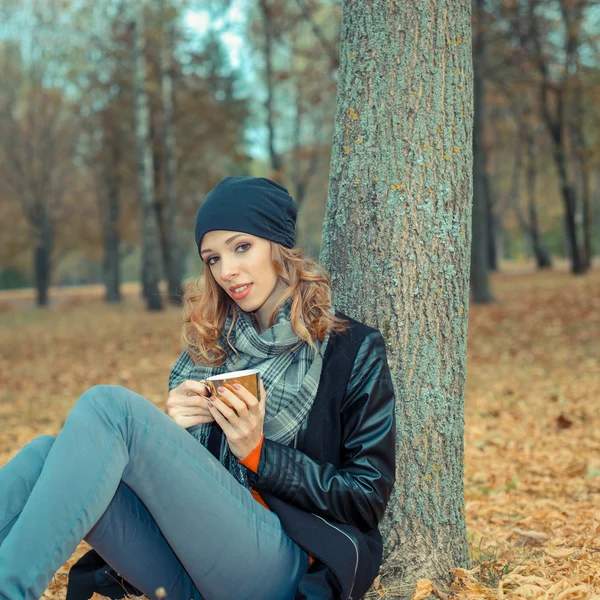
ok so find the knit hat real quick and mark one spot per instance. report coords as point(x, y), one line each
point(254, 205)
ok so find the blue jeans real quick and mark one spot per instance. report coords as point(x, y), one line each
point(149, 498)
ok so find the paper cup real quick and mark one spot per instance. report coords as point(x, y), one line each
point(248, 379)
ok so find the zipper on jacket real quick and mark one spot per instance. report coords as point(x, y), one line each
point(353, 543)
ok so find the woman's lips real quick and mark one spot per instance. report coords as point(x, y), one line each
point(240, 295)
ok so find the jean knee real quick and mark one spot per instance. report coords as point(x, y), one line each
point(105, 398)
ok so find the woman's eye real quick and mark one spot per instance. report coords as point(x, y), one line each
point(245, 246)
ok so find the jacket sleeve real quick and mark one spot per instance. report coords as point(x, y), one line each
point(356, 493)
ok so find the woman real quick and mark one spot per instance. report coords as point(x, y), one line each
point(282, 496)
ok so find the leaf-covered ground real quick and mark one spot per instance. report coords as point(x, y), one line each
point(532, 437)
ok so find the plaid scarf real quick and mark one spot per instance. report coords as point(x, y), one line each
point(288, 367)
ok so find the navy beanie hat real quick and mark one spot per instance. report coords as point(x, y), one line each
point(254, 205)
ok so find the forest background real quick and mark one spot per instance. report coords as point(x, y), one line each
point(250, 88)
point(114, 123)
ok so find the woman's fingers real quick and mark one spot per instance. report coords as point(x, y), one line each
point(229, 413)
point(189, 386)
point(234, 400)
point(217, 414)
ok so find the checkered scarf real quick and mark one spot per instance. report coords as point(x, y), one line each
point(288, 367)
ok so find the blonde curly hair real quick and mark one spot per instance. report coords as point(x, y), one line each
point(206, 306)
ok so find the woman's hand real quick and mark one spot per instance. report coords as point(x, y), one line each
point(243, 427)
point(187, 404)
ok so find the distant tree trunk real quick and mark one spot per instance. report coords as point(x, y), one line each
point(586, 205)
point(597, 213)
point(396, 242)
point(42, 258)
point(491, 223)
point(542, 256)
point(480, 287)
point(276, 164)
point(500, 237)
point(555, 125)
point(109, 212)
point(173, 271)
point(580, 153)
point(150, 259)
point(301, 174)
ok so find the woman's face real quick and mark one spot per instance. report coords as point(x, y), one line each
point(240, 260)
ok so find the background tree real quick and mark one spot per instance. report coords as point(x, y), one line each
point(150, 262)
point(396, 241)
point(37, 140)
point(482, 216)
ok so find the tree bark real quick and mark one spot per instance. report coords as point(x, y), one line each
point(396, 242)
point(480, 287)
point(150, 258)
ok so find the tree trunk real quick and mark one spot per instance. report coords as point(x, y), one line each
point(542, 256)
point(42, 258)
point(490, 222)
point(150, 257)
point(597, 213)
point(480, 288)
point(276, 166)
point(577, 264)
point(166, 66)
point(396, 242)
point(110, 230)
point(555, 125)
point(586, 206)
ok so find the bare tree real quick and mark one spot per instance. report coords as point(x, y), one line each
point(37, 142)
point(551, 93)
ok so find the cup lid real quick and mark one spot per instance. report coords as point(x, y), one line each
point(233, 374)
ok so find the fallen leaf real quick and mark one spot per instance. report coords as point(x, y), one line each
point(540, 536)
point(559, 552)
point(562, 422)
point(423, 589)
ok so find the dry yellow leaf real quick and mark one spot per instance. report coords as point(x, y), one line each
point(578, 592)
point(536, 535)
point(559, 552)
point(557, 587)
point(423, 589)
point(529, 591)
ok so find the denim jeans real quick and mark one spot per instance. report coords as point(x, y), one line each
point(149, 498)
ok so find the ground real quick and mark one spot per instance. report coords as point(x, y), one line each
point(532, 440)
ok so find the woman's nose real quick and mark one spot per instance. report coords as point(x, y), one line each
point(228, 270)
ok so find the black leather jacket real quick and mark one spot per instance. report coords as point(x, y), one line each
point(330, 491)
point(331, 487)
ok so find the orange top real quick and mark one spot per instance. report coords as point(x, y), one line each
point(251, 462)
